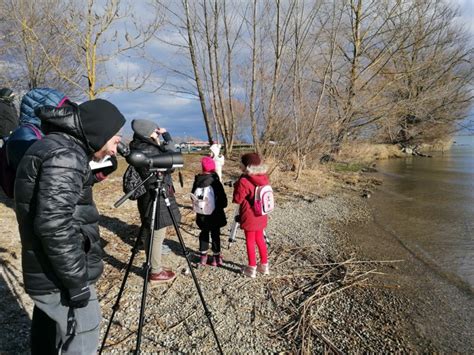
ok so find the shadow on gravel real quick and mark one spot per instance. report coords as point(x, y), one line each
point(8, 202)
point(176, 248)
point(127, 233)
point(185, 207)
point(15, 322)
point(232, 267)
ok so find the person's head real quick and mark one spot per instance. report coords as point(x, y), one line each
point(252, 164)
point(36, 98)
point(109, 148)
point(101, 122)
point(215, 150)
point(208, 165)
point(146, 129)
point(7, 94)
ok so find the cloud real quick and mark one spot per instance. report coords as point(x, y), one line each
point(181, 116)
point(466, 13)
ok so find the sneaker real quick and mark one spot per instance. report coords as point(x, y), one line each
point(214, 260)
point(203, 261)
point(162, 277)
point(263, 269)
point(218, 259)
point(249, 271)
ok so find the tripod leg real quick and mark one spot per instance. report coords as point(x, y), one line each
point(116, 305)
point(233, 233)
point(147, 266)
point(196, 283)
point(233, 228)
point(266, 236)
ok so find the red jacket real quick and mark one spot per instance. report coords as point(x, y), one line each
point(244, 191)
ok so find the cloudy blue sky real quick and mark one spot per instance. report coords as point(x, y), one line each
point(181, 115)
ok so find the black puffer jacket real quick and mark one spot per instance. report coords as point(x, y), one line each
point(56, 214)
point(150, 148)
point(217, 219)
point(8, 118)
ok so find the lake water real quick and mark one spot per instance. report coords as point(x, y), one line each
point(428, 205)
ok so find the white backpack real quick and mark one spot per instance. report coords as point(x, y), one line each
point(204, 200)
point(264, 202)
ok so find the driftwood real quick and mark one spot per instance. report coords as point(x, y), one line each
point(310, 290)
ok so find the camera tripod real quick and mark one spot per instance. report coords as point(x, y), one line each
point(159, 192)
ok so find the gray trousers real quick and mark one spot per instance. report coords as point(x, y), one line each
point(87, 319)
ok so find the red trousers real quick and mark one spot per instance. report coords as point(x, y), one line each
point(252, 238)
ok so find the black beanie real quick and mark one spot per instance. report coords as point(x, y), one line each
point(100, 120)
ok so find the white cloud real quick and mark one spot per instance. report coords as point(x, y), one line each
point(174, 102)
point(466, 11)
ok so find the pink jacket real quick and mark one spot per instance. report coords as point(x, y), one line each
point(244, 191)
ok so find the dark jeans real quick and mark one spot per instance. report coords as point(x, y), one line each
point(204, 240)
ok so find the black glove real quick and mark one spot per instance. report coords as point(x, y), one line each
point(237, 218)
point(101, 174)
point(79, 297)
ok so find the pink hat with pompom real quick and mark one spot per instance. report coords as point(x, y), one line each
point(208, 164)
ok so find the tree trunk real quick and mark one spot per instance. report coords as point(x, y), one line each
point(192, 49)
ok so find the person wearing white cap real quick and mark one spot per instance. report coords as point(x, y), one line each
point(218, 158)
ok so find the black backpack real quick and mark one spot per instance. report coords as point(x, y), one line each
point(131, 179)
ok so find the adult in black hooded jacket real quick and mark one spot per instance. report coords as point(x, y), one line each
point(58, 221)
point(146, 139)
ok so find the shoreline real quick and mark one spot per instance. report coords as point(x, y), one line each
point(325, 254)
point(437, 313)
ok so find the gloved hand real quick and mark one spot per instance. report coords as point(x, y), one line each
point(237, 218)
point(79, 297)
point(102, 174)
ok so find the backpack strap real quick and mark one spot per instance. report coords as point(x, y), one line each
point(251, 200)
point(36, 131)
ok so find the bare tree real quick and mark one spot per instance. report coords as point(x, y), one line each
point(435, 75)
point(30, 45)
point(197, 75)
point(91, 36)
point(374, 32)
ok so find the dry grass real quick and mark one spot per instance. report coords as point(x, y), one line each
point(368, 152)
point(438, 146)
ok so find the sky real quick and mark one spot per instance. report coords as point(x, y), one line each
point(181, 115)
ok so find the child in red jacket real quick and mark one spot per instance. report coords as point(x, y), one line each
point(254, 174)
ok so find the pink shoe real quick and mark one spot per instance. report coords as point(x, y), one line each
point(203, 261)
point(214, 260)
point(219, 260)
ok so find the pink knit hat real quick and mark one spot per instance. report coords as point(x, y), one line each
point(208, 165)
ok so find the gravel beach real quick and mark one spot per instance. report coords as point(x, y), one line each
point(320, 296)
